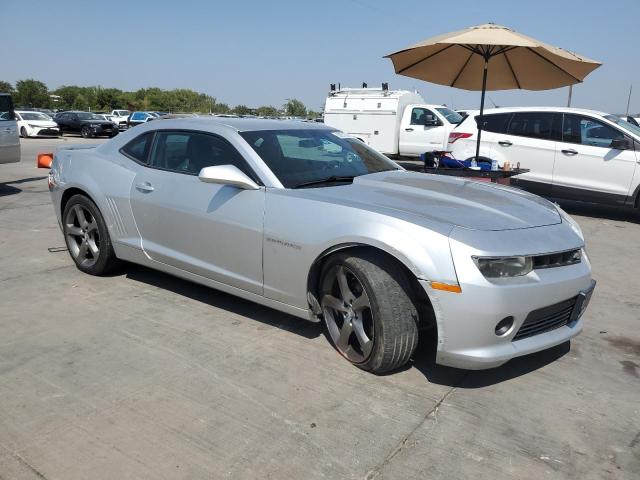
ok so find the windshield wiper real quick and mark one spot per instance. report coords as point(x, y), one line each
point(332, 179)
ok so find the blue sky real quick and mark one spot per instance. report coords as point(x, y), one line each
point(262, 52)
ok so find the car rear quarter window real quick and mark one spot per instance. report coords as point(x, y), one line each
point(138, 148)
point(494, 122)
point(531, 124)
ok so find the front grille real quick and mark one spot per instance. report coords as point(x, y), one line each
point(546, 319)
point(48, 131)
point(559, 259)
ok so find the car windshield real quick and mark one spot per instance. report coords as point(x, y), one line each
point(89, 116)
point(629, 127)
point(122, 113)
point(34, 116)
point(450, 115)
point(313, 156)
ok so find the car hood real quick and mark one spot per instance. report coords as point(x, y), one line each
point(41, 123)
point(455, 201)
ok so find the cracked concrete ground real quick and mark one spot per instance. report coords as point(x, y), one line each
point(142, 375)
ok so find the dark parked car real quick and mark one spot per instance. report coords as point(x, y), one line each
point(86, 124)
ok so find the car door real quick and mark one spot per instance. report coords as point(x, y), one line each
point(421, 131)
point(9, 138)
point(211, 230)
point(587, 167)
point(530, 140)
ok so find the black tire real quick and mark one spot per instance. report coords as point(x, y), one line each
point(105, 261)
point(23, 132)
point(392, 318)
point(85, 132)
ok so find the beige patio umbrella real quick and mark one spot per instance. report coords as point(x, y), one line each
point(491, 57)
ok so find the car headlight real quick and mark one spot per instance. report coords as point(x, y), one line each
point(570, 221)
point(95, 125)
point(34, 126)
point(497, 267)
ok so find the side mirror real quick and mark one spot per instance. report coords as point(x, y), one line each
point(431, 121)
point(227, 175)
point(620, 144)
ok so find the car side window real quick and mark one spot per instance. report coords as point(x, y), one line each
point(531, 124)
point(495, 122)
point(190, 152)
point(138, 148)
point(588, 131)
point(6, 108)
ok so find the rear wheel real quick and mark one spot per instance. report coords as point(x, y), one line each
point(86, 236)
point(85, 132)
point(368, 311)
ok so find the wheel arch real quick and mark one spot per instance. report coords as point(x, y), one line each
point(70, 192)
point(418, 294)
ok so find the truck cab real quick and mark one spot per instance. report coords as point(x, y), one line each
point(9, 138)
point(425, 128)
point(398, 123)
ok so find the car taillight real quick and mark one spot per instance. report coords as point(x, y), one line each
point(453, 136)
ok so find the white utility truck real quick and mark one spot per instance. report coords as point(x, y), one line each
point(397, 123)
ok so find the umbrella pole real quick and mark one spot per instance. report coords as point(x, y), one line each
point(484, 90)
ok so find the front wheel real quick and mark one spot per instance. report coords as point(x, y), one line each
point(368, 310)
point(23, 132)
point(85, 132)
point(87, 238)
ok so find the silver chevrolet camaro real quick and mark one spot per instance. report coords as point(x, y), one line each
point(306, 220)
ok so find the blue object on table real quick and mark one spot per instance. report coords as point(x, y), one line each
point(448, 162)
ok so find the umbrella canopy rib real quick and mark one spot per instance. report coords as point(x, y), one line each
point(515, 77)
point(425, 58)
point(453, 84)
point(577, 80)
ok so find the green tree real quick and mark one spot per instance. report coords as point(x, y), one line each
point(80, 102)
point(295, 108)
point(241, 110)
point(221, 108)
point(6, 87)
point(32, 93)
point(268, 111)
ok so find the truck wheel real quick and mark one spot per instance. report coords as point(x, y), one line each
point(370, 316)
point(87, 237)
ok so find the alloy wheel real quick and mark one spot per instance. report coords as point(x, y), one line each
point(83, 236)
point(347, 313)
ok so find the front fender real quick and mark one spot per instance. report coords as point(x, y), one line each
point(298, 233)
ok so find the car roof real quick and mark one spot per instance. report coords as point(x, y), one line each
point(243, 124)
point(487, 111)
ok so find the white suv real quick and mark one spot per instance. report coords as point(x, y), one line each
point(572, 153)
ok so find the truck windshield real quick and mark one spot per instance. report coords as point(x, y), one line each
point(310, 156)
point(450, 115)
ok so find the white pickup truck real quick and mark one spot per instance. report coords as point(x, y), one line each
point(397, 123)
point(119, 117)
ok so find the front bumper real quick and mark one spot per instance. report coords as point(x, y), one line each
point(467, 321)
point(44, 131)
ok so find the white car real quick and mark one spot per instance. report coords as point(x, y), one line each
point(36, 124)
point(571, 153)
point(119, 117)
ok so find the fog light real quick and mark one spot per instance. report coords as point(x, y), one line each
point(504, 326)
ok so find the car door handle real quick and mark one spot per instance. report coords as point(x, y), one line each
point(408, 129)
point(571, 152)
point(145, 187)
point(505, 143)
